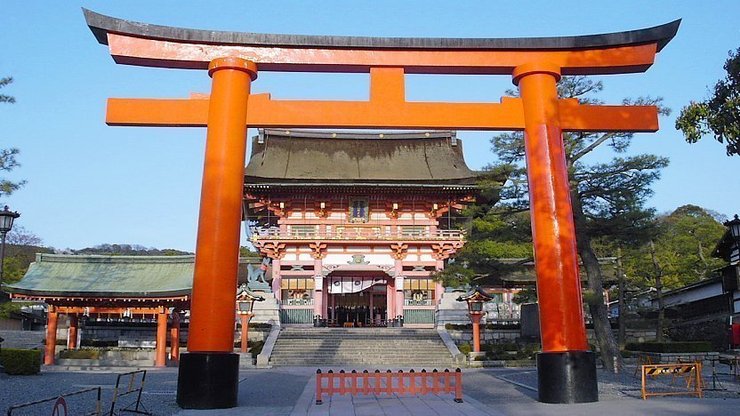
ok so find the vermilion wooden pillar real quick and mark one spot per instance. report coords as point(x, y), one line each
point(245, 318)
point(52, 318)
point(209, 372)
point(475, 318)
point(175, 337)
point(565, 362)
point(160, 354)
point(72, 333)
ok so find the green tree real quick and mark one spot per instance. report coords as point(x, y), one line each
point(608, 197)
point(8, 156)
point(492, 235)
point(719, 115)
point(20, 251)
point(683, 246)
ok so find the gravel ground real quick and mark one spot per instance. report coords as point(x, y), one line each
point(275, 392)
point(277, 389)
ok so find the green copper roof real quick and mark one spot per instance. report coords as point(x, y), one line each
point(107, 276)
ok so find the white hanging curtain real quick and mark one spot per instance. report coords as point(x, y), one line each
point(347, 284)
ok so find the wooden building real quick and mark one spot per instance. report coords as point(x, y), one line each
point(354, 223)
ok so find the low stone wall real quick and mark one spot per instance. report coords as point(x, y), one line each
point(488, 336)
point(503, 336)
point(142, 337)
point(670, 358)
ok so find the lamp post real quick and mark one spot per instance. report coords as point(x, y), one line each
point(245, 305)
point(733, 225)
point(734, 228)
point(475, 300)
point(6, 224)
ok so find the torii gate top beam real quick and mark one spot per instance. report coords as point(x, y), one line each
point(144, 44)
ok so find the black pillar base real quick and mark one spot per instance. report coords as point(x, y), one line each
point(208, 380)
point(567, 377)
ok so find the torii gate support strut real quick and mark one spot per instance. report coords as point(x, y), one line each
point(208, 375)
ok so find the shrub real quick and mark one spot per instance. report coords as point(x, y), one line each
point(465, 348)
point(262, 325)
point(255, 347)
point(99, 343)
point(20, 362)
point(715, 331)
point(670, 347)
point(458, 327)
point(84, 354)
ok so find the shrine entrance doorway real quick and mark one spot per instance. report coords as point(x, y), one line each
point(366, 308)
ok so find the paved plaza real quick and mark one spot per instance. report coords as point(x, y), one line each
point(290, 391)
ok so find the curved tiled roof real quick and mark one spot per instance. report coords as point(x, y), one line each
point(109, 276)
point(284, 157)
point(101, 25)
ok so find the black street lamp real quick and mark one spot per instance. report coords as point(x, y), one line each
point(6, 224)
point(734, 226)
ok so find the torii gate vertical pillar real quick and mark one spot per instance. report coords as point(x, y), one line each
point(209, 371)
point(566, 368)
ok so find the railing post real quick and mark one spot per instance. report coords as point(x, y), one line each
point(342, 383)
point(412, 382)
point(353, 383)
point(318, 386)
point(458, 386)
point(423, 378)
point(365, 382)
point(389, 382)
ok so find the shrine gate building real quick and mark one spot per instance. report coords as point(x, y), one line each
point(351, 222)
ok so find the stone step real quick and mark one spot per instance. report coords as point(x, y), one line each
point(351, 354)
point(376, 347)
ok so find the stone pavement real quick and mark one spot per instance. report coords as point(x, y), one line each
point(487, 392)
point(290, 391)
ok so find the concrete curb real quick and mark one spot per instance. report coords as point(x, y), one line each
point(457, 356)
point(263, 358)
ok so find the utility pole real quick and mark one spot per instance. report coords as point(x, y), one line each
point(659, 293)
point(621, 335)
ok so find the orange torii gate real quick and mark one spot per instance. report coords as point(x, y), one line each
point(208, 375)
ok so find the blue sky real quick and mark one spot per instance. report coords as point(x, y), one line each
point(90, 184)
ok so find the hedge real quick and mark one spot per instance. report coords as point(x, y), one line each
point(84, 354)
point(670, 347)
point(20, 362)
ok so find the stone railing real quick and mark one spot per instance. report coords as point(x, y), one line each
point(357, 233)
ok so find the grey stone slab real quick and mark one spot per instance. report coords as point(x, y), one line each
point(367, 407)
point(392, 406)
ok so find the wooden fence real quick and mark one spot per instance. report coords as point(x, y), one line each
point(409, 382)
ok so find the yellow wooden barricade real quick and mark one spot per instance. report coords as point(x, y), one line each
point(691, 372)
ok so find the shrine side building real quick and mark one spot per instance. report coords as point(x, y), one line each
point(355, 224)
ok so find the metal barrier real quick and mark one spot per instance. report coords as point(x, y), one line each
point(129, 389)
point(409, 382)
point(60, 407)
point(691, 372)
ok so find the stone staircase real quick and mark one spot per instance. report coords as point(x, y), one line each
point(380, 348)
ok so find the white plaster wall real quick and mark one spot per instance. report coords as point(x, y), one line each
point(358, 249)
point(376, 259)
